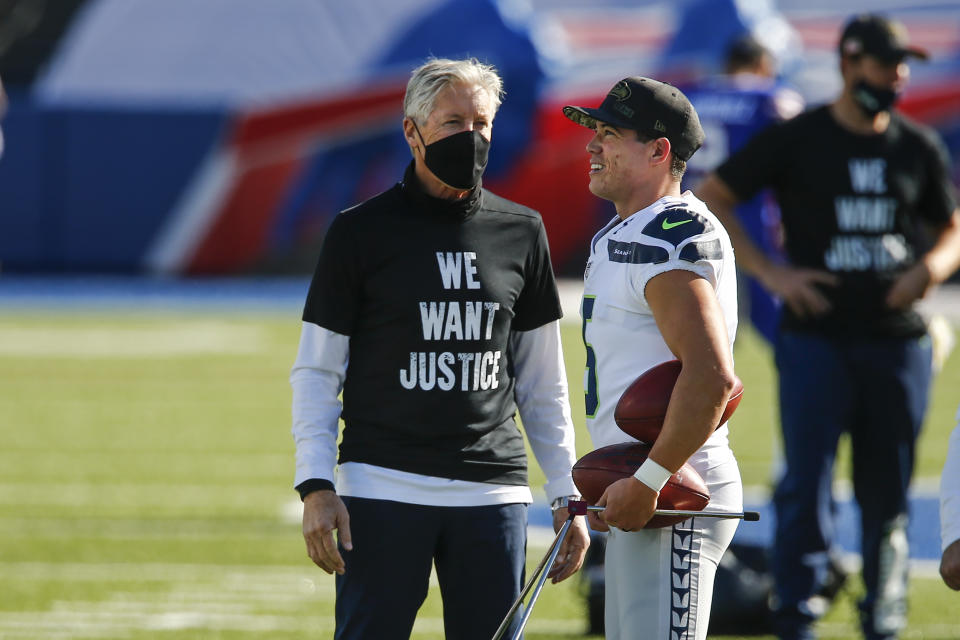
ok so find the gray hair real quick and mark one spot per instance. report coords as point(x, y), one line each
point(436, 74)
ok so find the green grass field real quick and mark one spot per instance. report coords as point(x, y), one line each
point(145, 472)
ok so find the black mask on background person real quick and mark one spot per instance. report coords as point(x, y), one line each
point(457, 160)
point(872, 100)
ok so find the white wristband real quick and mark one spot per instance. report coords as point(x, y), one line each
point(652, 474)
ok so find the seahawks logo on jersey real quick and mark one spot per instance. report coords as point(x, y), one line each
point(677, 226)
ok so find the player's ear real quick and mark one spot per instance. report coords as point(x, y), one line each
point(660, 151)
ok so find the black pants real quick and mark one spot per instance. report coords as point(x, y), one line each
point(876, 390)
point(479, 555)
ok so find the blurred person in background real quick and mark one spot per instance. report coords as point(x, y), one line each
point(733, 107)
point(434, 309)
point(660, 284)
point(950, 512)
point(855, 181)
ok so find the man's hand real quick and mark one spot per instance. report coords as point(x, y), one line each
point(910, 286)
point(798, 288)
point(324, 511)
point(950, 565)
point(628, 504)
point(593, 519)
point(574, 548)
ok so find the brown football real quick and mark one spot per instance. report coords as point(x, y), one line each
point(597, 470)
point(643, 406)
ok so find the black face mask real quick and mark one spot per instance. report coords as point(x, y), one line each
point(873, 100)
point(457, 160)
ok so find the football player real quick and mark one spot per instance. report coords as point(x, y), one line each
point(660, 284)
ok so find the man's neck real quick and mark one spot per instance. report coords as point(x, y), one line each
point(640, 199)
point(851, 117)
point(431, 185)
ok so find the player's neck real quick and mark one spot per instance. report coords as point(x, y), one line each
point(851, 117)
point(641, 198)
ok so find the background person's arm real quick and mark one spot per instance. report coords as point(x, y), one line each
point(796, 287)
point(936, 265)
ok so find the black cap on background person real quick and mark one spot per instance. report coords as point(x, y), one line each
point(880, 37)
point(655, 109)
point(874, 51)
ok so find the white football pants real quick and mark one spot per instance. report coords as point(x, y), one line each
point(659, 582)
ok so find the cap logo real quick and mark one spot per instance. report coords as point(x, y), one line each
point(621, 91)
point(659, 127)
point(852, 47)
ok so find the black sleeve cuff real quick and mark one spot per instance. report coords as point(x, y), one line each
point(314, 484)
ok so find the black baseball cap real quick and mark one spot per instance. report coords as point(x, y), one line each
point(653, 108)
point(883, 38)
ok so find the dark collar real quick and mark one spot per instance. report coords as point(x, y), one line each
point(452, 209)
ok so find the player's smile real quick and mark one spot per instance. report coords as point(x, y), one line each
point(596, 167)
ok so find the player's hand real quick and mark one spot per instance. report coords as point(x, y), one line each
point(324, 511)
point(798, 288)
point(950, 565)
point(628, 504)
point(574, 548)
point(593, 519)
point(910, 286)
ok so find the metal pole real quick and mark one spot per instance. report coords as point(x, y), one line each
point(543, 578)
point(580, 508)
point(748, 516)
point(502, 629)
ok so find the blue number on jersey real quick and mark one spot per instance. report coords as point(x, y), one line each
point(590, 390)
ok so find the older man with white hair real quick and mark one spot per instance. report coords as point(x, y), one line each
point(435, 311)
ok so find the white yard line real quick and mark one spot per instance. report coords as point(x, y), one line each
point(177, 338)
point(208, 597)
point(220, 597)
point(186, 573)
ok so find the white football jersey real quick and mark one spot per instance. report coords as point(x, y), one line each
point(619, 331)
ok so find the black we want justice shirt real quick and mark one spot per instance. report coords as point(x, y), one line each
point(428, 292)
point(850, 204)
